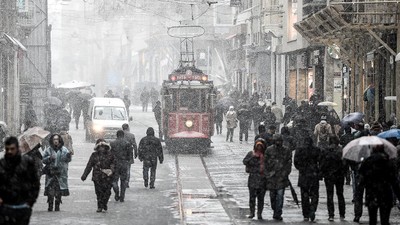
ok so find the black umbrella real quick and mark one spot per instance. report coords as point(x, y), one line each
point(294, 195)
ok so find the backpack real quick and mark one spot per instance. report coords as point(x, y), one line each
point(323, 133)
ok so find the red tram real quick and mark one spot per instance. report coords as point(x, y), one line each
point(188, 101)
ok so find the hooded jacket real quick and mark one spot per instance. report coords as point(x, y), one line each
point(99, 161)
point(254, 162)
point(57, 159)
point(150, 147)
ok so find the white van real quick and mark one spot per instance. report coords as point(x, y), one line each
point(106, 117)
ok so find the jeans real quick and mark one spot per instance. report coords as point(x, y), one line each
point(152, 166)
point(218, 126)
point(384, 214)
point(259, 194)
point(330, 185)
point(276, 197)
point(103, 193)
point(309, 199)
point(120, 174)
point(10, 216)
point(229, 135)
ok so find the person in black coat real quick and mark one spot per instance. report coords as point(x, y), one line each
point(254, 162)
point(333, 170)
point(219, 117)
point(19, 185)
point(269, 117)
point(379, 179)
point(150, 149)
point(244, 117)
point(123, 154)
point(307, 161)
point(103, 165)
point(130, 138)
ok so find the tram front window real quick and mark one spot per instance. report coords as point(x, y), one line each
point(191, 100)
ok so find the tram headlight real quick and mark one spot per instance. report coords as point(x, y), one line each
point(189, 123)
point(204, 78)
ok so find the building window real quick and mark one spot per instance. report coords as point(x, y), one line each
point(292, 19)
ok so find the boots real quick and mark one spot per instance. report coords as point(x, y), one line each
point(50, 209)
point(57, 206)
point(252, 212)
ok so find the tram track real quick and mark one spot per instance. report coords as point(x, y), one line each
point(198, 161)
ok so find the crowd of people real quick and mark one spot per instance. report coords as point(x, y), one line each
point(109, 163)
point(318, 155)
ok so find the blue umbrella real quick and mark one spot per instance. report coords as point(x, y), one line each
point(394, 133)
point(355, 118)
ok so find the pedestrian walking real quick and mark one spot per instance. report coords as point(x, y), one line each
point(254, 162)
point(130, 138)
point(157, 114)
point(31, 119)
point(219, 117)
point(123, 154)
point(56, 159)
point(154, 96)
point(288, 140)
point(19, 185)
point(269, 117)
point(144, 98)
point(85, 112)
point(277, 111)
point(127, 103)
point(346, 138)
point(307, 160)
point(333, 171)
point(379, 179)
point(267, 135)
point(150, 149)
point(244, 117)
point(289, 112)
point(102, 163)
point(322, 131)
point(77, 107)
point(231, 123)
point(278, 165)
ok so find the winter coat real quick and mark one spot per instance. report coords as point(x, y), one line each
point(322, 131)
point(331, 163)
point(244, 116)
point(269, 119)
point(256, 179)
point(130, 138)
point(157, 113)
point(300, 133)
point(37, 157)
point(219, 114)
point(231, 119)
point(58, 166)
point(258, 112)
point(307, 161)
point(122, 151)
point(379, 178)
point(67, 141)
point(278, 165)
point(99, 161)
point(289, 142)
point(278, 114)
point(150, 148)
point(345, 139)
point(19, 181)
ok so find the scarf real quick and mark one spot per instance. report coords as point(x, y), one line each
point(260, 154)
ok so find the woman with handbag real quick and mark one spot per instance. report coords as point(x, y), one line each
point(56, 158)
point(231, 123)
point(254, 162)
point(103, 164)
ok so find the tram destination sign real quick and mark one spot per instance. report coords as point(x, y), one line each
point(188, 77)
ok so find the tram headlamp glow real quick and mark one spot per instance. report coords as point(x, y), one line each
point(204, 78)
point(189, 123)
point(98, 128)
